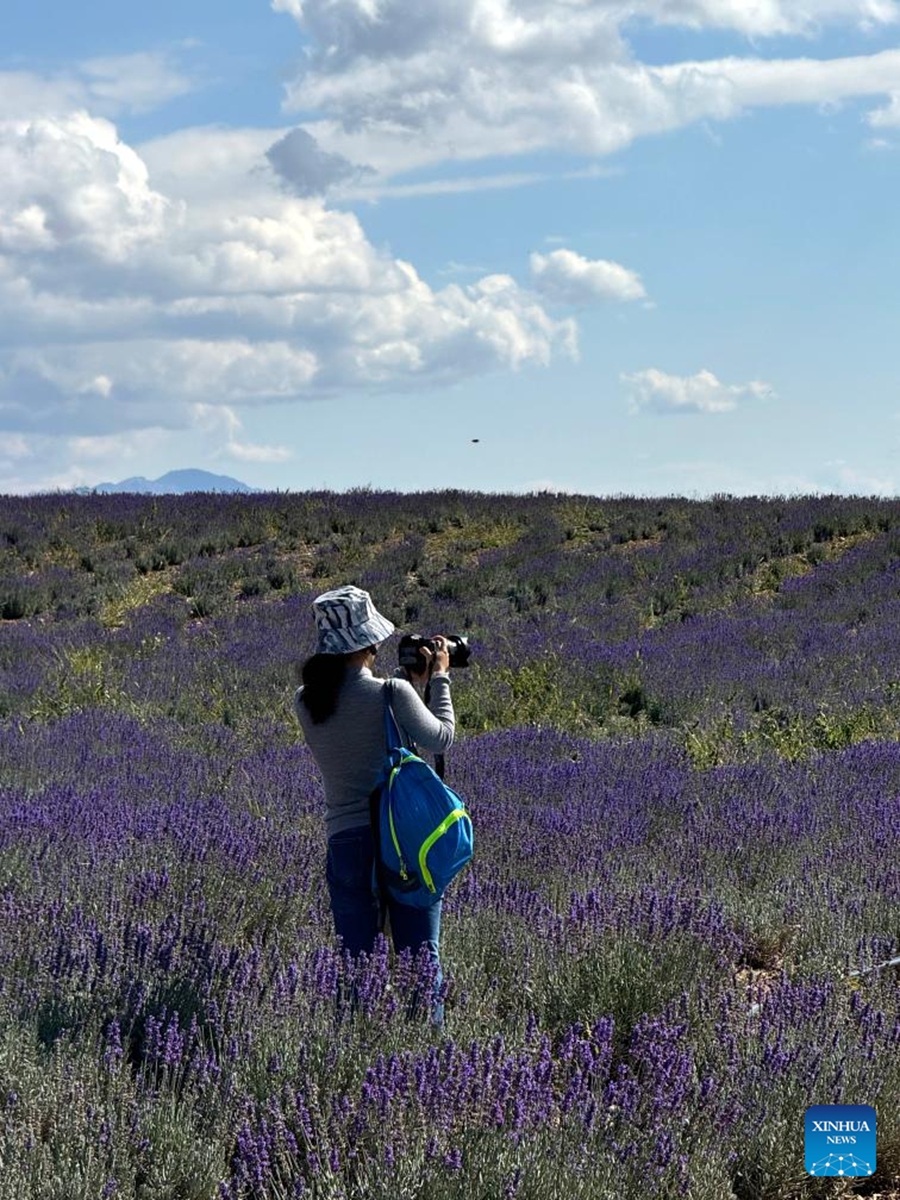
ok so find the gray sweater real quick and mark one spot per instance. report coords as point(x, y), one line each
point(349, 747)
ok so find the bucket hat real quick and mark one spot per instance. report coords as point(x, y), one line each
point(347, 620)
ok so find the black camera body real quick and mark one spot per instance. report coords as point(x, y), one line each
point(410, 651)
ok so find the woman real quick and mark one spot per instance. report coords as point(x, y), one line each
point(340, 708)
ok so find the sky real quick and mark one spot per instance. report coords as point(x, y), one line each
point(642, 247)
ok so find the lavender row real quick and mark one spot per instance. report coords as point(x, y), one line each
point(647, 971)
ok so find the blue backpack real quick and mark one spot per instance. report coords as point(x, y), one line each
point(423, 834)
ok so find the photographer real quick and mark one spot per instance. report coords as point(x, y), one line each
point(340, 708)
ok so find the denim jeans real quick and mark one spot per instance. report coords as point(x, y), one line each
point(354, 905)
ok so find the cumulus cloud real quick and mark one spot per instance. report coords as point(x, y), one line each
point(351, 28)
point(401, 84)
point(121, 306)
point(151, 381)
point(659, 392)
point(205, 268)
point(70, 185)
point(565, 277)
point(211, 165)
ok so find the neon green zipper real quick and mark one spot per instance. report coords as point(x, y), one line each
point(449, 820)
point(404, 875)
point(431, 839)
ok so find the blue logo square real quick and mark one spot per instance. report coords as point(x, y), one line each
point(840, 1139)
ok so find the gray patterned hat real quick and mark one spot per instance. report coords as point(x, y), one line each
point(347, 620)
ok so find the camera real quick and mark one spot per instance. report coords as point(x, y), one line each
point(410, 651)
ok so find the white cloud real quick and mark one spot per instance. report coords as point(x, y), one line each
point(205, 165)
point(108, 86)
point(25, 94)
point(343, 32)
point(136, 283)
point(454, 268)
point(214, 418)
point(217, 419)
point(887, 117)
point(101, 385)
point(104, 377)
point(121, 306)
point(63, 480)
point(63, 462)
point(135, 83)
point(659, 392)
point(70, 184)
point(457, 185)
point(765, 18)
point(567, 278)
point(251, 452)
point(401, 85)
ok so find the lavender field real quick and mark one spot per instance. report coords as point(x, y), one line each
point(679, 740)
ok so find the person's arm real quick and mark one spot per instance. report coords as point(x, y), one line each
point(431, 727)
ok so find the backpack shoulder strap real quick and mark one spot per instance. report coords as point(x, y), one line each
point(392, 735)
point(391, 728)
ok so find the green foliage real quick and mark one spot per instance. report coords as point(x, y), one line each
point(716, 741)
point(711, 744)
point(546, 570)
point(633, 701)
point(623, 976)
point(71, 1129)
point(795, 736)
point(535, 692)
point(83, 678)
point(135, 595)
point(13, 603)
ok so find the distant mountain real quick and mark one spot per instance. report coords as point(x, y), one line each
point(177, 482)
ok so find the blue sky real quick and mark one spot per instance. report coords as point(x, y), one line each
point(645, 248)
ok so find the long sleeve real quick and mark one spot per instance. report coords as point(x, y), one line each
point(432, 727)
point(349, 746)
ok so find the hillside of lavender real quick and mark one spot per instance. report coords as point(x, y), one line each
point(679, 741)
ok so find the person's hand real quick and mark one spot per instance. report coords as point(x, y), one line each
point(439, 661)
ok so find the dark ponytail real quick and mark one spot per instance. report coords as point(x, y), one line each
point(322, 675)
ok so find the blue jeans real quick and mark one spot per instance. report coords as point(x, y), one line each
point(349, 864)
